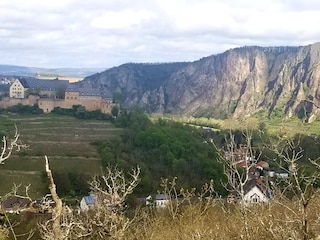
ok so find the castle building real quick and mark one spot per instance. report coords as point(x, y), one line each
point(49, 94)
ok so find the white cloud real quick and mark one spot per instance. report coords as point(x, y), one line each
point(105, 33)
point(119, 20)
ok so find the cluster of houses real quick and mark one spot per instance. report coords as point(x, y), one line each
point(158, 201)
point(19, 204)
point(257, 188)
point(49, 94)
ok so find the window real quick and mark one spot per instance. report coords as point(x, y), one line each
point(255, 198)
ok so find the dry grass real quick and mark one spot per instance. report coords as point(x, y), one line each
point(269, 221)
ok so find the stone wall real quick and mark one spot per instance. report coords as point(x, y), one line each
point(9, 102)
point(48, 104)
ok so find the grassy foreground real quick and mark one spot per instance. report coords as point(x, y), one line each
point(277, 220)
point(65, 140)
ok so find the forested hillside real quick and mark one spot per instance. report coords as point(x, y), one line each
point(163, 149)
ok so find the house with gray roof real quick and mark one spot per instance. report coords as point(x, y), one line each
point(20, 86)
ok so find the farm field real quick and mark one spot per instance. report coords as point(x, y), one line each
point(65, 140)
point(71, 79)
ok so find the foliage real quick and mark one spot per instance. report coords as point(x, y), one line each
point(115, 111)
point(24, 109)
point(71, 183)
point(233, 106)
point(277, 113)
point(80, 112)
point(163, 149)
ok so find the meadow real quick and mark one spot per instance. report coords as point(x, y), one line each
point(273, 125)
point(65, 140)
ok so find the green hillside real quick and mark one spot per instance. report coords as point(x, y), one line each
point(65, 140)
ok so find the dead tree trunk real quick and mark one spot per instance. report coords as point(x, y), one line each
point(57, 210)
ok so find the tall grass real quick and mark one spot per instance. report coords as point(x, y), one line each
point(221, 221)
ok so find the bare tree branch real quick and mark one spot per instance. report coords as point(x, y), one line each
point(8, 146)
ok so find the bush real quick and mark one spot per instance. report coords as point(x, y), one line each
point(25, 109)
point(80, 112)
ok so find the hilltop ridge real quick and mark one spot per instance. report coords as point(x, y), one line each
point(239, 82)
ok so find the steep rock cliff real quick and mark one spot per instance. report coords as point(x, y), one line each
point(238, 82)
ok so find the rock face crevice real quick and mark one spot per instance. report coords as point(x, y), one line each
point(238, 82)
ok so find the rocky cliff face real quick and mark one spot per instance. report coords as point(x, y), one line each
point(237, 82)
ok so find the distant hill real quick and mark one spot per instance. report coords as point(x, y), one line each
point(281, 81)
point(50, 72)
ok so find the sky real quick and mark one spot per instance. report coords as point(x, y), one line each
point(108, 33)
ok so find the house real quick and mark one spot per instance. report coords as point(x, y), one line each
point(158, 201)
point(263, 165)
point(278, 173)
point(86, 203)
point(282, 174)
point(255, 191)
point(15, 204)
point(272, 172)
point(100, 199)
point(161, 200)
point(49, 88)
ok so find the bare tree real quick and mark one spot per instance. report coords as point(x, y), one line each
point(301, 187)
point(200, 200)
point(9, 145)
point(238, 177)
point(113, 186)
point(107, 219)
point(62, 223)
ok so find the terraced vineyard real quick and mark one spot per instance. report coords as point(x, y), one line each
point(65, 140)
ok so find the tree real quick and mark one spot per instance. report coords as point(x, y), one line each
point(238, 177)
point(10, 145)
point(293, 196)
point(106, 220)
point(301, 187)
point(115, 111)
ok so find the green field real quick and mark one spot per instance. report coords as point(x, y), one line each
point(65, 140)
point(274, 126)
